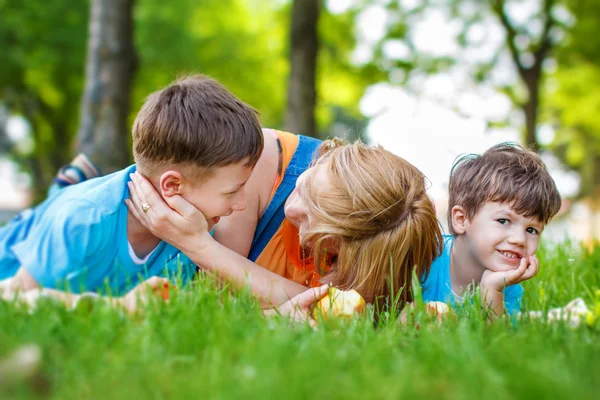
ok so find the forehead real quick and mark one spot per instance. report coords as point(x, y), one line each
point(317, 177)
point(226, 176)
point(494, 207)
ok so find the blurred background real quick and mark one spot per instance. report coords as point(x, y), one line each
point(427, 79)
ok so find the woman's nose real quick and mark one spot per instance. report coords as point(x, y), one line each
point(295, 209)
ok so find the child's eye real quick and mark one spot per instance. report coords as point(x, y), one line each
point(533, 231)
point(503, 221)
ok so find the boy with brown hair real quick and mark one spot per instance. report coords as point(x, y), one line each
point(193, 139)
point(499, 203)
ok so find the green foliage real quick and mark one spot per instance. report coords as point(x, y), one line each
point(243, 44)
point(571, 100)
point(209, 343)
point(41, 75)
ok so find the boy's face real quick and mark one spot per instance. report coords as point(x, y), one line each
point(498, 238)
point(219, 194)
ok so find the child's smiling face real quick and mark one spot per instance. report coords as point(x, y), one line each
point(499, 237)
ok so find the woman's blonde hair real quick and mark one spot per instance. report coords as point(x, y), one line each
point(379, 216)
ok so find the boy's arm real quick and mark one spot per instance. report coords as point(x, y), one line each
point(493, 283)
point(55, 251)
point(22, 281)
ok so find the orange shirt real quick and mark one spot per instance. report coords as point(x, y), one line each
point(283, 254)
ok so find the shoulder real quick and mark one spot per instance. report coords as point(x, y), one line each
point(260, 184)
point(439, 272)
point(443, 261)
point(76, 211)
point(105, 193)
point(513, 291)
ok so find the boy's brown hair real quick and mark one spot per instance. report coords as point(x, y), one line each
point(195, 121)
point(505, 173)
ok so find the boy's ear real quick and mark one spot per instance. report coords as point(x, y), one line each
point(459, 219)
point(170, 183)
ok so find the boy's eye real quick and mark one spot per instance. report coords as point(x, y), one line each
point(503, 221)
point(533, 231)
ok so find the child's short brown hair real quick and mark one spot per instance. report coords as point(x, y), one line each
point(505, 173)
point(195, 121)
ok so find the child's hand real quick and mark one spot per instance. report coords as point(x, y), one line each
point(173, 219)
point(498, 280)
point(154, 286)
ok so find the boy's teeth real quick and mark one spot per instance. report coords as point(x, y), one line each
point(509, 255)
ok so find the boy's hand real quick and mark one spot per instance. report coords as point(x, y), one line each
point(498, 280)
point(140, 294)
point(173, 219)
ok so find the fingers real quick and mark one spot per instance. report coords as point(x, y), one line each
point(135, 203)
point(156, 282)
point(311, 296)
point(528, 268)
point(182, 206)
point(145, 190)
point(532, 269)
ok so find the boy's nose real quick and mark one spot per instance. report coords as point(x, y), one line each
point(239, 203)
point(517, 237)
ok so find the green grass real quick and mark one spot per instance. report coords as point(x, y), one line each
point(208, 343)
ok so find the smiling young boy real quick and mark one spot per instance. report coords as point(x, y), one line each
point(193, 139)
point(499, 203)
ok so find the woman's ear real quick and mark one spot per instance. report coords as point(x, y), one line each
point(170, 183)
point(459, 220)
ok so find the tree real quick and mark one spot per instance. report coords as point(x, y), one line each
point(103, 131)
point(529, 61)
point(304, 46)
point(572, 98)
point(529, 47)
point(40, 78)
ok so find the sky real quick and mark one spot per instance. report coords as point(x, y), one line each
point(431, 120)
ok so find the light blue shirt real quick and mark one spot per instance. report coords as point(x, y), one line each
point(77, 240)
point(437, 287)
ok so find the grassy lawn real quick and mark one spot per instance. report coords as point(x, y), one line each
point(208, 343)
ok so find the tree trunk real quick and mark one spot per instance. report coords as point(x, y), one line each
point(530, 108)
point(103, 130)
point(304, 45)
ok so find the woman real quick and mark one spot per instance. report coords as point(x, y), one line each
point(359, 218)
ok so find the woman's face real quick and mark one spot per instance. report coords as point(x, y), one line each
point(295, 209)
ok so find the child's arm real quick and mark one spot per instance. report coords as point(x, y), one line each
point(178, 222)
point(493, 283)
point(22, 281)
point(139, 295)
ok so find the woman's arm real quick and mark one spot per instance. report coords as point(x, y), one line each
point(179, 223)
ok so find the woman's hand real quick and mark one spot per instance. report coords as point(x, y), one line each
point(173, 219)
point(299, 307)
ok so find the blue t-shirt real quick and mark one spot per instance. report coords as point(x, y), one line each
point(77, 240)
point(437, 287)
